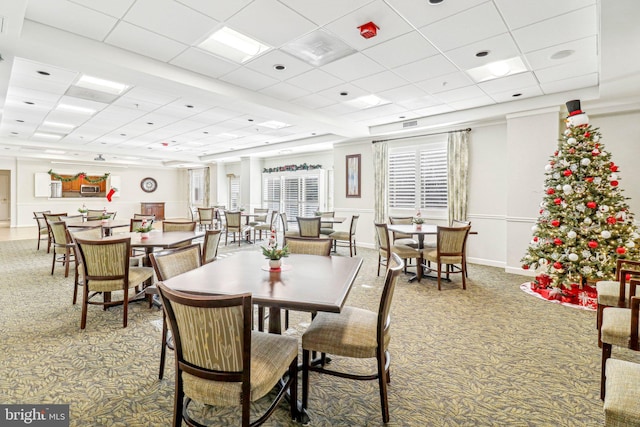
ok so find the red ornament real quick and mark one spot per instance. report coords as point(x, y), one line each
point(592, 244)
point(572, 150)
point(555, 223)
point(591, 205)
point(552, 162)
point(611, 220)
point(597, 145)
point(567, 172)
point(557, 265)
point(589, 179)
point(557, 241)
point(627, 277)
point(614, 183)
point(557, 200)
point(551, 191)
point(595, 152)
point(525, 267)
point(535, 239)
point(621, 250)
point(555, 154)
point(587, 134)
point(613, 168)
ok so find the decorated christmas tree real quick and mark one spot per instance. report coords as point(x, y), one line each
point(585, 224)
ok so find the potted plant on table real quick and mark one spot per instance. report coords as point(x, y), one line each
point(273, 253)
point(418, 221)
point(144, 228)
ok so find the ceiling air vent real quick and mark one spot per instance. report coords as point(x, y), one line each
point(410, 124)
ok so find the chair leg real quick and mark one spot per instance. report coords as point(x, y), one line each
point(293, 389)
point(53, 265)
point(606, 354)
point(261, 318)
point(464, 274)
point(85, 305)
point(163, 349)
point(439, 274)
point(379, 262)
point(125, 306)
point(305, 378)
point(382, 383)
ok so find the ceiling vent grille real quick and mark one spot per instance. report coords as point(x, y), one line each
point(410, 124)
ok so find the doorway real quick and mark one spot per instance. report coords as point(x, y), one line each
point(5, 200)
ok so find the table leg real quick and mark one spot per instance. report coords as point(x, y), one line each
point(275, 322)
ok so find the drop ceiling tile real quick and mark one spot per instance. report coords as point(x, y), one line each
point(425, 69)
point(334, 93)
point(70, 17)
point(390, 23)
point(218, 10)
point(568, 70)
point(171, 19)
point(513, 82)
point(499, 47)
point(421, 13)
point(204, 63)
point(472, 103)
point(34, 83)
point(526, 92)
point(584, 49)
point(249, 79)
point(115, 8)
point(215, 115)
point(353, 67)
point(447, 82)
point(419, 102)
point(402, 93)
point(401, 50)
point(564, 28)
point(284, 91)
point(20, 95)
point(570, 84)
point(380, 82)
point(461, 94)
point(325, 11)
point(66, 117)
point(477, 23)
point(144, 42)
point(263, 20)
point(371, 113)
point(315, 80)
point(313, 101)
point(337, 109)
point(24, 68)
point(520, 14)
point(265, 64)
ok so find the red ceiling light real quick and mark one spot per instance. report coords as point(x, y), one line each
point(368, 30)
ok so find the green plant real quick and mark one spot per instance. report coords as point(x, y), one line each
point(104, 217)
point(83, 210)
point(272, 252)
point(144, 229)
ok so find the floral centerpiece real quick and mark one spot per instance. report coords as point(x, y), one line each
point(105, 216)
point(83, 209)
point(418, 219)
point(273, 253)
point(145, 226)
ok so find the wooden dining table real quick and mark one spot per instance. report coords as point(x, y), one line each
point(107, 226)
point(304, 283)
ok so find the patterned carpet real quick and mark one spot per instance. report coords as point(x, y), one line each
point(488, 356)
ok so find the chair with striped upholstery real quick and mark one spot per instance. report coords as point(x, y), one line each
point(621, 406)
point(309, 226)
point(347, 236)
point(450, 252)
point(42, 226)
point(210, 246)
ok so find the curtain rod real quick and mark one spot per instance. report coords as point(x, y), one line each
point(417, 136)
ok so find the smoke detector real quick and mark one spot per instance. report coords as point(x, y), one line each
point(100, 158)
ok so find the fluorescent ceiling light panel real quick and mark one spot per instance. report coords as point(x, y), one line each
point(54, 151)
point(274, 124)
point(495, 70)
point(58, 125)
point(101, 85)
point(75, 109)
point(228, 135)
point(46, 135)
point(318, 48)
point(367, 101)
point(233, 45)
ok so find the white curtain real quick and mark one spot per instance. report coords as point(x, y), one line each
point(457, 174)
point(381, 173)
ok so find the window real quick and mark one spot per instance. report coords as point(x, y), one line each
point(197, 180)
point(418, 177)
point(234, 193)
point(296, 194)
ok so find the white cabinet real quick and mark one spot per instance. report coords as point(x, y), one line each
point(42, 184)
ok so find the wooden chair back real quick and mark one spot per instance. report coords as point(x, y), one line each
point(171, 262)
point(309, 226)
point(400, 220)
point(210, 246)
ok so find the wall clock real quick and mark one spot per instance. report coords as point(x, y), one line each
point(148, 185)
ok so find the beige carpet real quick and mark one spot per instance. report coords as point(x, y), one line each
point(488, 356)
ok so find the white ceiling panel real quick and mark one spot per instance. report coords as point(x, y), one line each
point(401, 50)
point(353, 67)
point(508, 83)
point(477, 23)
point(499, 47)
point(403, 93)
point(144, 42)
point(472, 102)
point(419, 102)
point(460, 94)
point(259, 19)
point(266, 63)
point(337, 94)
point(380, 82)
point(519, 14)
point(315, 80)
point(204, 63)
point(421, 13)
point(446, 82)
point(426, 69)
point(522, 93)
point(588, 80)
point(115, 8)
point(325, 11)
point(583, 50)
point(569, 70)
point(284, 91)
point(249, 79)
point(219, 10)
point(313, 101)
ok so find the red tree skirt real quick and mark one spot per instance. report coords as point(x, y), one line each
point(585, 300)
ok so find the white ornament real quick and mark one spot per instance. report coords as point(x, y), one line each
point(567, 132)
point(571, 235)
point(613, 177)
point(581, 207)
point(603, 208)
point(586, 269)
point(587, 220)
point(556, 175)
point(597, 180)
point(630, 244)
point(585, 162)
point(571, 141)
point(599, 214)
point(596, 138)
point(573, 257)
point(605, 234)
point(534, 229)
point(567, 189)
point(573, 167)
point(635, 235)
point(603, 153)
point(586, 254)
point(558, 187)
point(548, 168)
point(543, 261)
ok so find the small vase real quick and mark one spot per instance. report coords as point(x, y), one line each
point(275, 264)
point(105, 221)
point(418, 226)
point(144, 235)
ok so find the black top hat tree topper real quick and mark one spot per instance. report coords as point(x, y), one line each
point(576, 117)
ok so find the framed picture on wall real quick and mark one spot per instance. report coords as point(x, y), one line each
point(353, 175)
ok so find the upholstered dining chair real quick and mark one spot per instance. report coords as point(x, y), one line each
point(42, 226)
point(461, 223)
point(51, 217)
point(623, 394)
point(105, 270)
point(210, 246)
point(265, 226)
point(355, 333)
point(385, 249)
point(610, 292)
point(144, 216)
point(206, 218)
point(402, 238)
point(620, 328)
point(179, 226)
point(260, 216)
point(72, 219)
point(327, 228)
point(167, 264)
point(93, 215)
point(234, 226)
point(62, 246)
point(450, 252)
point(285, 228)
point(220, 361)
point(309, 226)
point(347, 236)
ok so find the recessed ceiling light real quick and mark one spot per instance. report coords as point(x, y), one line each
point(75, 109)
point(434, 2)
point(344, 93)
point(149, 123)
point(101, 85)
point(279, 67)
point(43, 73)
point(123, 134)
point(14, 133)
point(189, 106)
point(497, 69)
point(249, 120)
point(482, 53)
point(561, 54)
point(515, 95)
point(274, 124)
point(233, 45)
point(29, 103)
point(20, 121)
